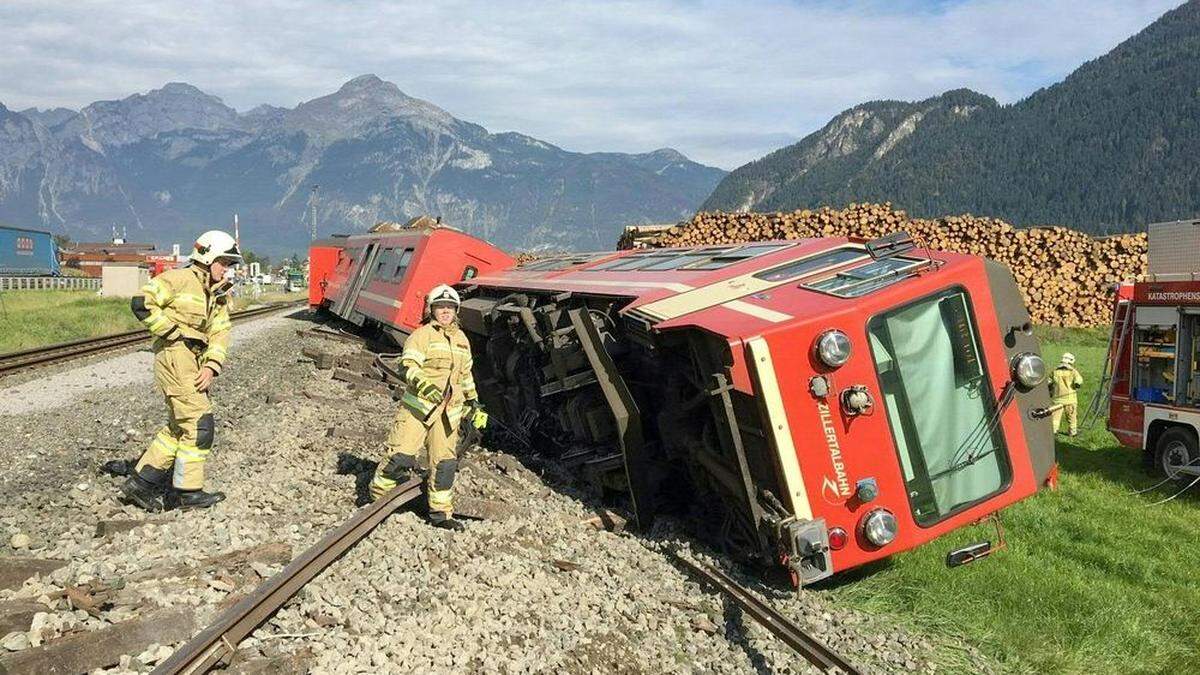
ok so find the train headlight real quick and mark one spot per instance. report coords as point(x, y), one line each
point(1029, 370)
point(880, 527)
point(833, 348)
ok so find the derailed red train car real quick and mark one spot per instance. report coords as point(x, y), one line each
point(821, 402)
point(380, 278)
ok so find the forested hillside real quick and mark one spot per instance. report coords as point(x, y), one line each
point(1112, 147)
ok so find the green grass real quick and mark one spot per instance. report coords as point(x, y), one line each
point(1094, 578)
point(31, 319)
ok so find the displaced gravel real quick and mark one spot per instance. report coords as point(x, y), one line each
point(531, 588)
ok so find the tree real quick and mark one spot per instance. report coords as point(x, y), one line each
point(252, 257)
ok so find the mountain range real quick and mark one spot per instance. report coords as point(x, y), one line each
point(176, 160)
point(1110, 148)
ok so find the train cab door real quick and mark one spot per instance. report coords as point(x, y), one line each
point(358, 277)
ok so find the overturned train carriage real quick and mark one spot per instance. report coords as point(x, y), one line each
point(379, 279)
point(821, 403)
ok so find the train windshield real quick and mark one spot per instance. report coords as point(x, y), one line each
point(939, 405)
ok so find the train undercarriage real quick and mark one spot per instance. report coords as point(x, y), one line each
point(649, 419)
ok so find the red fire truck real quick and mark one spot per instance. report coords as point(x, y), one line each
point(1152, 375)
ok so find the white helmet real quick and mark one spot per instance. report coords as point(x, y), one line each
point(442, 294)
point(1068, 359)
point(215, 245)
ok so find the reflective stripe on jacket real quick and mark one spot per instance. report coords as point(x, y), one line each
point(179, 305)
point(441, 357)
point(1063, 383)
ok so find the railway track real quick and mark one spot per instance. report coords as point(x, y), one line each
point(816, 652)
point(14, 362)
point(217, 644)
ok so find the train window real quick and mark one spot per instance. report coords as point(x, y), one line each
point(559, 262)
point(540, 265)
point(469, 272)
point(939, 405)
point(736, 255)
point(871, 276)
point(684, 258)
point(383, 261)
point(619, 263)
point(804, 266)
point(402, 263)
point(675, 262)
point(637, 262)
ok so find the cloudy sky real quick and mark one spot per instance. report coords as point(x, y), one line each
point(724, 81)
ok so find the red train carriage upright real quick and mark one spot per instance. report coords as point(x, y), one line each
point(1152, 377)
point(824, 402)
point(381, 277)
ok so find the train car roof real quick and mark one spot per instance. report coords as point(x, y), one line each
point(343, 240)
point(736, 289)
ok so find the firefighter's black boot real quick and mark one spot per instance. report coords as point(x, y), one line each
point(439, 519)
point(145, 487)
point(186, 500)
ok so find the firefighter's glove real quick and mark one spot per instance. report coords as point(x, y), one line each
point(222, 288)
point(479, 417)
point(430, 392)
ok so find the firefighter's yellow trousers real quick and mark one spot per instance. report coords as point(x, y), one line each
point(410, 435)
point(187, 437)
point(1068, 410)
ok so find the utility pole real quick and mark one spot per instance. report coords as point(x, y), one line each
point(313, 197)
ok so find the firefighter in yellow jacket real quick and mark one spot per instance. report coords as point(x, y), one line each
point(439, 392)
point(186, 310)
point(1064, 383)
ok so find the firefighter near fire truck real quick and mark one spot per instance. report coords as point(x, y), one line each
point(187, 312)
point(1065, 382)
point(439, 394)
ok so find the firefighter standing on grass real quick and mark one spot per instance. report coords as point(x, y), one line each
point(1064, 383)
point(186, 310)
point(440, 391)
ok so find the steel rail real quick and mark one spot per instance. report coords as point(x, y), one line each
point(217, 642)
point(66, 351)
point(812, 649)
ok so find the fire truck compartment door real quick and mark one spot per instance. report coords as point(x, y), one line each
point(1157, 316)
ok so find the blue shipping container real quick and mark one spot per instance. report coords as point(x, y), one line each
point(27, 253)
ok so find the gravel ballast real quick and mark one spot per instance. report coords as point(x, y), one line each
point(531, 589)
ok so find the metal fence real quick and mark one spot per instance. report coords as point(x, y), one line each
point(49, 283)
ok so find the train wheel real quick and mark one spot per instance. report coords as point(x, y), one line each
point(1176, 448)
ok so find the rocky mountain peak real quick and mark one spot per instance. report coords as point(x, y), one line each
point(362, 102)
point(51, 117)
point(178, 89)
point(368, 82)
point(174, 107)
point(668, 155)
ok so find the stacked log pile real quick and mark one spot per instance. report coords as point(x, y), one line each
point(1064, 275)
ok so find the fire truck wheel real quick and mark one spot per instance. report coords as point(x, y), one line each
point(1176, 448)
